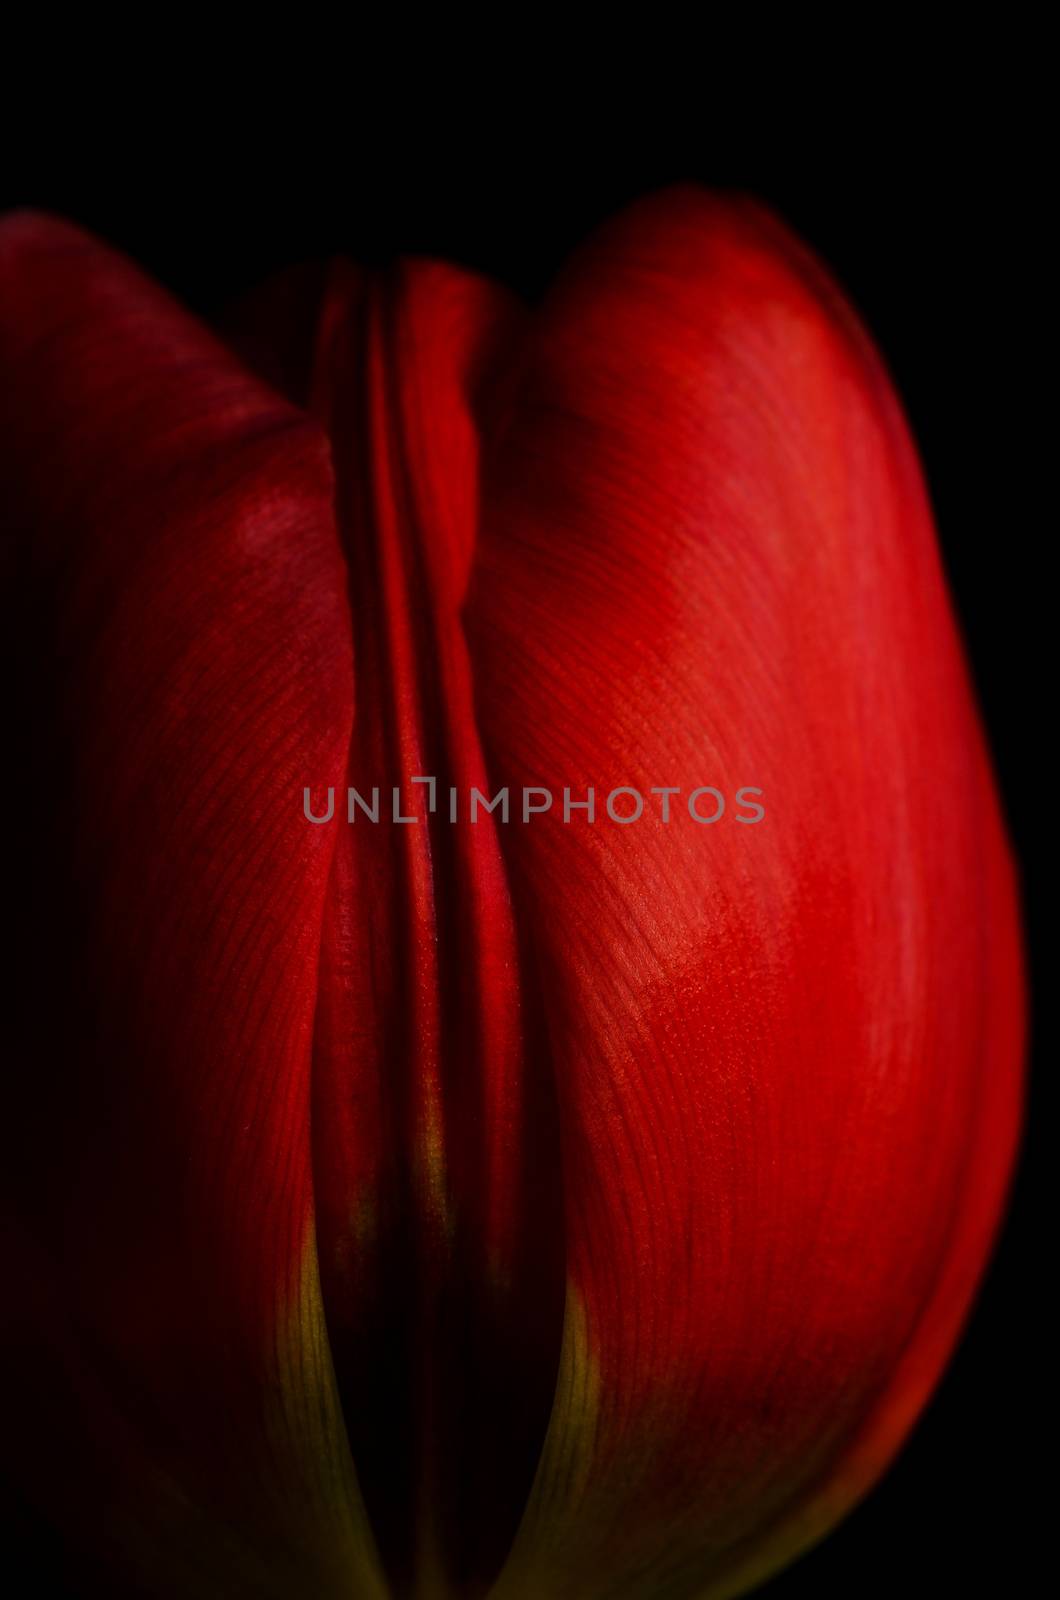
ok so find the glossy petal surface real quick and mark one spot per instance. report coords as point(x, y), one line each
point(786, 1054)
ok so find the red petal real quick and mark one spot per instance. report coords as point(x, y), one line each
point(787, 1055)
point(442, 1270)
point(183, 597)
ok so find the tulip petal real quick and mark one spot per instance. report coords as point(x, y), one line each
point(439, 1225)
point(786, 1054)
point(181, 599)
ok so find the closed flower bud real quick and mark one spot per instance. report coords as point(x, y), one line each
point(423, 1196)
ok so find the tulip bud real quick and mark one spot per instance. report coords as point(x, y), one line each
point(484, 1164)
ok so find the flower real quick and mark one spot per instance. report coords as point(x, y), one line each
point(549, 1211)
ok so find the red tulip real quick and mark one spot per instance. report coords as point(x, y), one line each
point(553, 1209)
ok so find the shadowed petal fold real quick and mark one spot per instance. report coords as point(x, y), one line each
point(434, 1137)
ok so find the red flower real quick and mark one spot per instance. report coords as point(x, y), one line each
point(554, 1209)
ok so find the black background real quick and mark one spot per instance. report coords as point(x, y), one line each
point(935, 240)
